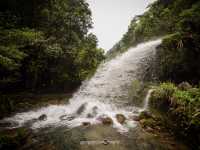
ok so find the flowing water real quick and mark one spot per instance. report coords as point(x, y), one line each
point(104, 95)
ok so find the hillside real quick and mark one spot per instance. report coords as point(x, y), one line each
point(178, 21)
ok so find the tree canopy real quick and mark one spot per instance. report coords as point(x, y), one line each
point(46, 44)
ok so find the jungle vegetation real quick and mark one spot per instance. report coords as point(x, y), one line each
point(46, 44)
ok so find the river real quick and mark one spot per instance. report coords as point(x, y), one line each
point(106, 94)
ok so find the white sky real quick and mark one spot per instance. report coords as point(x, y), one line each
point(112, 17)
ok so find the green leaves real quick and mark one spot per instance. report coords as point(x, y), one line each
point(48, 44)
point(180, 107)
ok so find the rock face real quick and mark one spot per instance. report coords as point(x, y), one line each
point(42, 117)
point(65, 117)
point(120, 118)
point(107, 121)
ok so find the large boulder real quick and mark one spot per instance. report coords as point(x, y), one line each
point(66, 117)
point(120, 118)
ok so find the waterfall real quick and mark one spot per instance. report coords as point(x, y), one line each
point(146, 100)
point(105, 94)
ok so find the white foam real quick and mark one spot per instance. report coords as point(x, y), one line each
point(106, 92)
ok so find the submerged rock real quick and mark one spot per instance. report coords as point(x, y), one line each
point(42, 117)
point(120, 118)
point(94, 112)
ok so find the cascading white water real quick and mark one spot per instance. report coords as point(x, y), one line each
point(105, 94)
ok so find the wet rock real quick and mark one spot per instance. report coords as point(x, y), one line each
point(149, 129)
point(143, 122)
point(105, 142)
point(86, 123)
point(184, 86)
point(107, 121)
point(94, 112)
point(42, 117)
point(81, 109)
point(120, 118)
point(66, 117)
point(145, 115)
point(136, 118)
point(30, 122)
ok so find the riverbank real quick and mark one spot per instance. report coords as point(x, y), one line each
point(95, 137)
point(21, 102)
point(174, 109)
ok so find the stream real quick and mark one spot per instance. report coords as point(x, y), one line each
point(106, 94)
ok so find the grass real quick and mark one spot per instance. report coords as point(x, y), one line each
point(181, 107)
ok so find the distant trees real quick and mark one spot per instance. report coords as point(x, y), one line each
point(45, 44)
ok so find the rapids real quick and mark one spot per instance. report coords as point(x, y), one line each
point(105, 94)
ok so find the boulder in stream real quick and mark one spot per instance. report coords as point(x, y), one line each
point(81, 109)
point(42, 117)
point(86, 124)
point(120, 118)
point(107, 121)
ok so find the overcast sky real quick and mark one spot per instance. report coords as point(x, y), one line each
point(112, 17)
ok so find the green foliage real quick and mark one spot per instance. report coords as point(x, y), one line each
point(182, 109)
point(46, 44)
point(13, 139)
